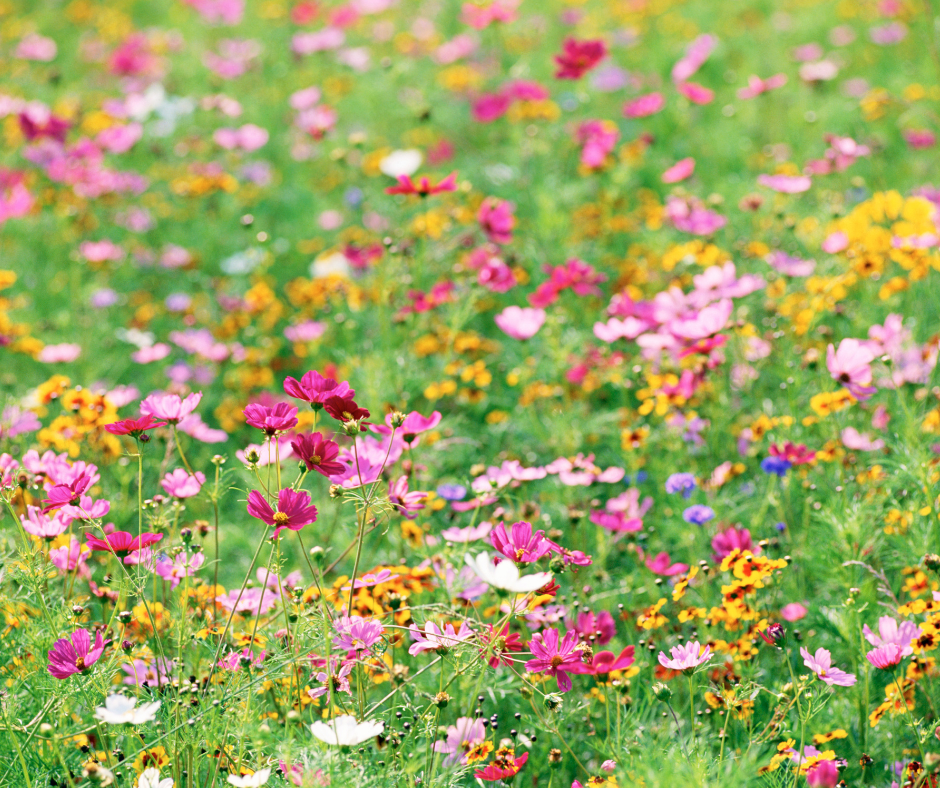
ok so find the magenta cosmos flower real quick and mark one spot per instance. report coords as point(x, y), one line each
point(885, 657)
point(134, 427)
point(554, 657)
point(122, 543)
point(318, 454)
point(271, 421)
point(604, 662)
point(687, 657)
point(67, 494)
point(315, 389)
point(294, 510)
point(496, 220)
point(75, 654)
point(170, 407)
point(520, 544)
point(821, 664)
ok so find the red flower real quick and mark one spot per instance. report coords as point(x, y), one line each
point(120, 542)
point(423, 187)
point(502, 767)
point(318, 453)
point(294, 510)
point(579, 57)
point(134, 427)
point(345, 409)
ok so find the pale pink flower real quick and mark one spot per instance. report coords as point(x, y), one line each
point(679, 171)
point(850, 365)
point(687, 657)
point(520, 322)
point(59, 354)
point(786, 184)
point(644, 106)
point(821, 664)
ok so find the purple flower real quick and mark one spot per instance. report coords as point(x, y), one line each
point(553, 657)
point(821, 664)
point(699, 514)
point(75, 654)
point(681, 482)
point(775, 465)
point(687, 657)
point(452, 492)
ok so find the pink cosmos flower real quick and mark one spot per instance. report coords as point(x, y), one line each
point(147, 355)
point(404, 501)
point(604, 662)
point(691, 216)
point(579, 57)
point(75, 654)
point(730, 539)
point(794, 611)
point(520, 543)
point(859, 441)
point(520, 322)
point(181, 565)
point(697, 94)
point(601, 627)
point(234, 660)
point(354, 633)
point(316, 389)
point(835, 242)
point(791, 266)
point(892, 633)
point(597, 138)
point(70, 557)
point(36, 47)
point(294, 510)
point(122, 543)
point(661, 564)
point(756, 86)
point(679, 171)
point(433, 638)
point(786, 184)
point(554, 657)
point(36, 523)
point(181, 484)
point(850, 366)
point(318, 453)
point(249, 137)
point(59, 354)
point(885, 657)
point(497, 220)
point(271, 420)
point(67, 494)
point(696, 53)
point(821, 664)
point(687, 657)
point(463, 736)
point(169, 407)
point(823, 774)
point(644, 106)
point(423, 187)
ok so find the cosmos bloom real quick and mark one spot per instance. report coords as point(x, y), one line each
point(850, 366)
point(579, 57)
point(75, 654)
point(345, 409)
point(601, 627)
point(554, 656)
point(423, 187)
point(271, 421)
point(294, 510)
point(885, 657)
point(170, 407)
point(890, 632)
point(499, 644)
point(119, 709)
point(505, 575)
point(181, 484)
point(823, 774)
point(354, 633)
point(496, 220)
point(732, 538)
point(37, 524)
point(687, 657)
point(520, 543)
point(121, 543)
point(786, 184)
point(821, 664)
point(134, 427)
point(318, 453)
point(181, 565)
point(520, 322)
point(661, 564)
point(67, 494)
point(413, 425)
point(316, 389)
point(255, 780)
point(679, 171)
point(346, 730)
point(756, 86)
point(644, 106)
point(603, 662)
point(462, 737)
point(795, 454)
point(433, 638)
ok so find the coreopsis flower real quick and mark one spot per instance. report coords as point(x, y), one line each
point(821, 664)
point(890, 632)
point(885, 657)
point(505, 575)
point(346, 730)
point(687, 657)
point(134, 427)
point(271, 421)
point(354, 633)
point(554, 656)
point(433, 638)
point(170, 407)
point(345, 409)
point(520, 543)
point(120, 709)
point(463, 736)
point(316, 389)
point(75, 654)
point(423, 187)
point(318, 453)
point(294, 510)
point(504, 766)
point(579, 57)
point(181, 484)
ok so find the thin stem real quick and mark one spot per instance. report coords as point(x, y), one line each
point(179, 448)
point(910, 719)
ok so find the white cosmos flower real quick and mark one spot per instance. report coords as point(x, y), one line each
point(345, 730)
point(119, 709)
point(251, 781)
point(505, 575)
point(150, 778)
point(401, 162)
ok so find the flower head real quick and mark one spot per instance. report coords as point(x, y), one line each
point(354, 633)
point(424, 187)
point(134, 427)
point(505, 575)
point(316, 389)
point(346, 730)
point(170, 407)
point(75, 654)
point(318, 453)
point(271, 421)
point(181, 484)
point(821, 664)
point(885, 657)
point(554, 656)
point(687, 657)
point(579, 57)
point(119, 709)
point(294, 510)
point(699, 514)
point(122, 543)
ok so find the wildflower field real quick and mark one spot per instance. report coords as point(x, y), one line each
point(413, 393)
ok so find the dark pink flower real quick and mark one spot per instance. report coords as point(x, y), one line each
point(423, 187)
point(405, 502)
point(122, 542)
point(316, 389)
point(294, 510)
point(271, 421)
point(497, 220)
point(554, 656)
point(604, 662)
point(67, 494)
point(579, 57)
point(134, 427)
point(885, 657)
point(75, 654)
point(643, 106)
point(601, 627)
point(318, 453)
point(725, 542)
point(520, 543)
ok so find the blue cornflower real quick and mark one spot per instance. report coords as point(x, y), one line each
point(776, 465)
point(698, 514)
point(452, 492)
point(681, 482)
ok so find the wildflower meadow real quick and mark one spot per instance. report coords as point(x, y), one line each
point(429, 394)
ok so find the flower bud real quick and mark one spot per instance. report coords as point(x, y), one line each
point(336, 491)
point(125, 616)
point(186, 535)
point(774, 635)
point(318, 554)
point(127, 646)
point(144, 438)
point(557, 565)
point(397, 419)
point(662, 692)
point(932, 561)
point(351, 428)
point(441, 700)
point(553, 702)
point(252, 456)
point(554, 758)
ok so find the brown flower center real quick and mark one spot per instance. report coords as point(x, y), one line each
point(557, 660)
point(80, 663)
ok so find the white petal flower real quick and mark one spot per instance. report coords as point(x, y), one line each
point(346, 730)
point(120, 709)
point(150, 778)
point(251, 781)
point(505, 575)
point(401, 162)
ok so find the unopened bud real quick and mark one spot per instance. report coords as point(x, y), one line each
point(336, 491)
point(932, 561)
point(661, 691)
point(553, 702)
point(441, 700)
point(252, 456)
point(557, 565)
point(125, 616)
point(554, 758)
point(397, 419)
point(126, 646)
point(186, 535)
point(351, 428)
